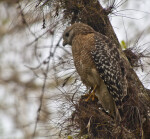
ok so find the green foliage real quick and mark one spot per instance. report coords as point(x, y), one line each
point(70, 137)
point(123, 44)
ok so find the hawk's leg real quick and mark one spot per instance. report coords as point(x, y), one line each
point(92, 94)
point(87, 95)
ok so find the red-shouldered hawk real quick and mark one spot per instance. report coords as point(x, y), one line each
point(99, 64)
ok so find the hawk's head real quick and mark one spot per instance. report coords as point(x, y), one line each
point(75, 29)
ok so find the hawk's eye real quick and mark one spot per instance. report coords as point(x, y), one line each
point(67, 34)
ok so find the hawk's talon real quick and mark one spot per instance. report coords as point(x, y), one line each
point(91, 95)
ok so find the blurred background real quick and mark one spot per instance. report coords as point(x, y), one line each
point(36, 72)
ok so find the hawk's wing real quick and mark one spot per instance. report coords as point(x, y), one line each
point(110, 67)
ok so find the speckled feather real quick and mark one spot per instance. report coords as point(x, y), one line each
point(110, 66)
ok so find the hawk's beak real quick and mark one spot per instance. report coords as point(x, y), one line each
point(64, 43)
